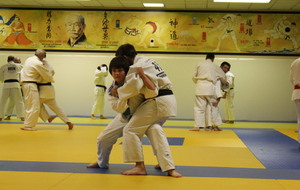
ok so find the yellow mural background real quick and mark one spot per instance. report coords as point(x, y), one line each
point(157, 31)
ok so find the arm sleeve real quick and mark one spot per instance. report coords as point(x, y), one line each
point(134, 84)
point(19, 67)
point(219, 93)
point(118, 105)
point(194, 78)
point(99, 73)
point(45, 73)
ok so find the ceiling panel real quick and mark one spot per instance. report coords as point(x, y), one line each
point(274, 5)
point(239, 6)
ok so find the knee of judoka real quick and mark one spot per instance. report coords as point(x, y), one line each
point(155, 129)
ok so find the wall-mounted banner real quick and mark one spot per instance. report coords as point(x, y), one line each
point(150, 31)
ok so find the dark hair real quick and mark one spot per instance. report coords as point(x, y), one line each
point(127, 50)
point(225, 63)
point(119, 62)
point(103, 65)
point(10, 58)
point(210, 56)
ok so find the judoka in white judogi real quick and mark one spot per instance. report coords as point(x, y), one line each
point(33, 72)
point(295, 80)
point(47, 97)
point(10, 75)
point(152, 111)
point(99, 91)
point(115, 130)
point(205, 77)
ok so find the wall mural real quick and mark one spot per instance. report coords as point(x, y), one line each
point(150, 31)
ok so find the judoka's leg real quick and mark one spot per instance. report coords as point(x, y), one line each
point(32, 105)
point(51, 103)
point(144, 117)
point(230, 105)
point(18, 99)
point(44, 115)
point(10, 108)
point(200, 105)
point(106, 140)
point(215, 114)
point(3, 101)
point(96, 105)
point(161, 148)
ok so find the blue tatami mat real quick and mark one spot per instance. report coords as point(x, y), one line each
point(173, 141)
point(187, 171)
point(274, 149)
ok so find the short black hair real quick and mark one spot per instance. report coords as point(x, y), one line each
point(225, 63)
point(127, 50)
point(210, 56)
point(10, 58)
point(119, 62)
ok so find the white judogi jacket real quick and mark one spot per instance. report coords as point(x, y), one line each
point(9, 71)
point(230, 79)
point(219, 92)
point(121, 106)
point(134, 85)
point(100, 77)
point(47, 91)
point(34, 70)
point(205, 76)
point(295, 78)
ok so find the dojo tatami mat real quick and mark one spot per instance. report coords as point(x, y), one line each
point(245, 155)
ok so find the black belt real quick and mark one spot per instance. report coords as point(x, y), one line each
point(164, 92)
point(11, 80)
point(45, 84)
point(102, 87)
point(231, 89)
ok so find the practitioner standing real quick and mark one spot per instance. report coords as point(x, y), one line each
point(118, 68)
point(47, 97)
point(205, 77)
point(229, 93)
point(10, 73)
point(154, 111)
point(295, 80)
point(99, 91)
point(33, 72)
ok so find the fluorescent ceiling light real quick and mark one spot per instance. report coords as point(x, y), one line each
point(153, 4)
point(242, 1)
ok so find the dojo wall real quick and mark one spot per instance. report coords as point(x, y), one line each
point(262, 86)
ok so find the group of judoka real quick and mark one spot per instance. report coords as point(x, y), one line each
point(211, 83)
point(36, 77)
point(142, 95)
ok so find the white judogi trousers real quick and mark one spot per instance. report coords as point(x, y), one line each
point(98, 106)
point(32, 104)
point(144, 117)
point(51, 103)
point(10, 107)
point(228, 104)
point(108, 138)
point(203, 111)
point(215, 114)
point(114, 130)
point(297, 102)
point(15, 95)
